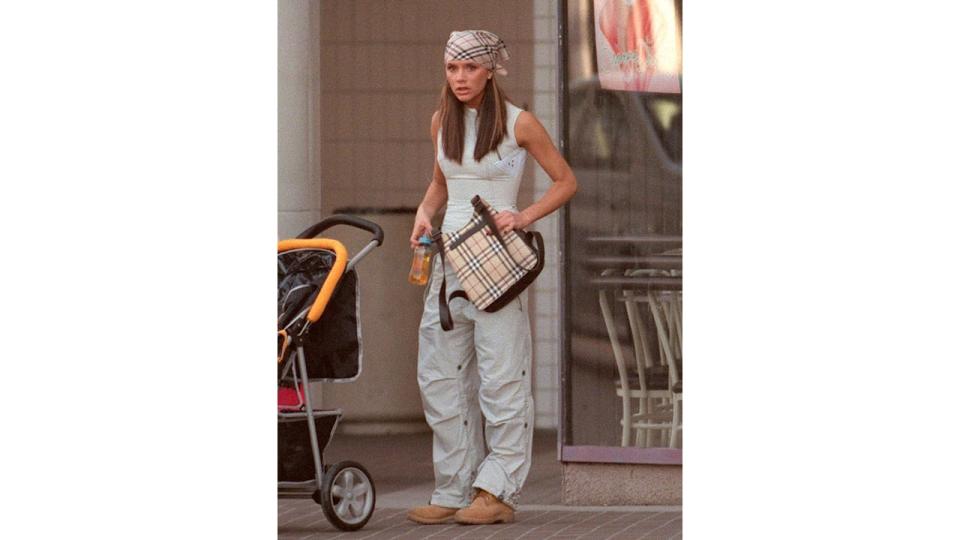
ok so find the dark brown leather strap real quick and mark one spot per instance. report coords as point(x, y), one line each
point(446, 320)
point(488, 219)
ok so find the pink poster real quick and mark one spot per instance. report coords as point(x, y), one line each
point(638, 45)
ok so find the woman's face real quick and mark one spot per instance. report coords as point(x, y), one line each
point(467, 80)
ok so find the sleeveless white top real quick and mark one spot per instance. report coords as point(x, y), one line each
point(495, 177)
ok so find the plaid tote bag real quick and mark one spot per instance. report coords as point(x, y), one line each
point(493, 268)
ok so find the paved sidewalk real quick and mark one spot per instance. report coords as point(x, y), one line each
point(303, 519)
point(402, 471)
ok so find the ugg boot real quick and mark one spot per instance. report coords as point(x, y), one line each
point(485, 509)
point(431, 514)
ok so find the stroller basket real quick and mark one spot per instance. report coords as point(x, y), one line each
point(293, 443)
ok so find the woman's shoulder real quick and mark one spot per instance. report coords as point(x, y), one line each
point(514, 114)
point(435, 123)
point(526, 126)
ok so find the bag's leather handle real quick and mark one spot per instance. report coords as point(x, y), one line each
point(446, 319)
point(488, 219)
point(537, 239)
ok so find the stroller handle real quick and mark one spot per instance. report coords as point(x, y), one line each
point(343, 219)
point(333, 278)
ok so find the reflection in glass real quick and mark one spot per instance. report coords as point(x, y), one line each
point(638, 48)
point(624, 255)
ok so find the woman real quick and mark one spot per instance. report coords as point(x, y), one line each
point(483, 364)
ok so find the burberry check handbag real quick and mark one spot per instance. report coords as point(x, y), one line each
point(493, 268)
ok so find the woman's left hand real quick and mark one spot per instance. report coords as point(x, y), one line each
point(509, 221)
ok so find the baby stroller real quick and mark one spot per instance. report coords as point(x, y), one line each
point(319, 340)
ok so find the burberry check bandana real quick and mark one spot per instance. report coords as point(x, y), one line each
point(484, 48)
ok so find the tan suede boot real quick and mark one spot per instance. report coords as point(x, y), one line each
point(485, 509)
point(431, 514)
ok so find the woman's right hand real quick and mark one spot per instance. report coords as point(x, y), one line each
point(421, 226)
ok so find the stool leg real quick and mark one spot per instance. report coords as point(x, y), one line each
point(675, 425)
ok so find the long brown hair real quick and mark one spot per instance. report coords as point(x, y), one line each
point(491, 116)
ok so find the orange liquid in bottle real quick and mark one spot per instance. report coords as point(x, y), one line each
point(420, 267)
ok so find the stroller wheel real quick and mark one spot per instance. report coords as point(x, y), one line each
point(347, 495)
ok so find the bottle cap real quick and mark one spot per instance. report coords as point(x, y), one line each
point(425, 240)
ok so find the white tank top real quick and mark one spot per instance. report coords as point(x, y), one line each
point(495, 177)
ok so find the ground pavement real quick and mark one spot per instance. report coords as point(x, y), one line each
point(402, 472)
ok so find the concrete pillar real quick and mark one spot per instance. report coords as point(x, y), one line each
point(298, 190)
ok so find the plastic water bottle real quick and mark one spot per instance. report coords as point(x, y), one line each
point(420, 267)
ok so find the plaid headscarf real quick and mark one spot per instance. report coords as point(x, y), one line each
point(484, 48)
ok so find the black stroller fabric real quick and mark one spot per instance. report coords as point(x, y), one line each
point(332, 344)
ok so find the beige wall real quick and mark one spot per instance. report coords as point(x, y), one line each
point(382, 63)
point(381, 70)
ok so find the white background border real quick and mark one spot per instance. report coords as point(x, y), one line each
point(138, 214)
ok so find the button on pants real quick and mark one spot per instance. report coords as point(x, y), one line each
point(477, 372)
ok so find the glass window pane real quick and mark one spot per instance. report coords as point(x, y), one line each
point(624, 273)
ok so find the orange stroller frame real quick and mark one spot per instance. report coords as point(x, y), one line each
point(345, 491)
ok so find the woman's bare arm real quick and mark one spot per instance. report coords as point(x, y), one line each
point(532, 136)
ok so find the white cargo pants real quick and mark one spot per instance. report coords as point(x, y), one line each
point(481, 366)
